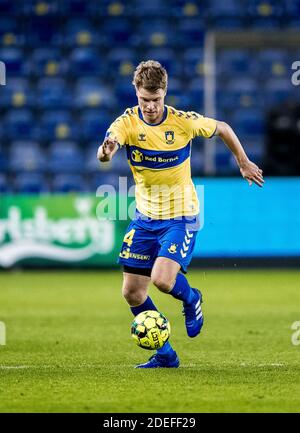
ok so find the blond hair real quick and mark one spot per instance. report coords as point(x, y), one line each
point(150, 75)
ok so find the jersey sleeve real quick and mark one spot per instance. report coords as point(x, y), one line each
point(118, 130)
point(199, 125)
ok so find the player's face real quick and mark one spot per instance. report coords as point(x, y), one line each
point(151, 104)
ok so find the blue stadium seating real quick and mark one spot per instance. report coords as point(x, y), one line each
point(46, 62)
point(53, 93)
point(14, 61)
point(17, 93)
point(69, 72)
point(94, 124)
point(58, 125)
point(236, 62)
point(273, 63)
point(20, 125)
point(278, 90)
point(3, 160)
point(27, 156)
point(43, 31)
point(92, 93)
point(248, 122)
point(4, 185)
point(82, 33)
point(85, 62)
point(67, 183)
point(193, 61)
point(191, 32)
point(65, 157)
point(31, 183)
point(116, 31)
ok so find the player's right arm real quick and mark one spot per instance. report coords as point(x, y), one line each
point(116, 137)
point(107, 149)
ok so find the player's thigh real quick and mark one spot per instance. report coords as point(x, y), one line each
point(135, 288)
point(177, 244)
point(164, 273)
point(140, 247)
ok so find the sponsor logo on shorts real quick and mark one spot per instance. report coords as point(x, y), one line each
point(127, 254)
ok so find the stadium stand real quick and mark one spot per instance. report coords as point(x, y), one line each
point(70, 66)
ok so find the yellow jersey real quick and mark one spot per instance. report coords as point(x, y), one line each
point(159, 158)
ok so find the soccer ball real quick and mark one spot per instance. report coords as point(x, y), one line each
point(150, 329)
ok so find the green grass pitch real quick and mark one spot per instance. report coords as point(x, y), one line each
point(68, 345)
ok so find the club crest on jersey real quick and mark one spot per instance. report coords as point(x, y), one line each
point(137, 156)
point(172, 249)
point(169, 137)
point(142, 137)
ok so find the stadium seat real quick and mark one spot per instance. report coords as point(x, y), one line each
point(3, 160)
point(76, 7)
point(10, 34)
point(125, 92)
point(82, 33)
point(277, 91)
point(85, 62)
point(273, 62)
point(249, 122)
point(43, 31)
point(20, 125)
point(46, 62)
point(27, 156)
point(193, 60)
point(14, 61)
point(191, 32)
point(94, 124)
point(122, 61)
point(58, 125)
point(92, 93)
point(159, 33)
point(105, 178)
point(239, 92)
point(196, 92)
point(68, 183)
point(154, 8)
point(53, 93)
point(39, 7)
point(236, 62)
point(112, 8)
point(65, 157)
point(30, 183)
point(17, 93)
point(4, 185)
point(116, 31)
point(7, 7)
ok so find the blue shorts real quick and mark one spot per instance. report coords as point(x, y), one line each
point(146, 239)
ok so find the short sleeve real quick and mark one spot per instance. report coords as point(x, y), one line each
point(118, 130)
point(199, 125)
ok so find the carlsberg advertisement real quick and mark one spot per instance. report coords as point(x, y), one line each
point(65, 230)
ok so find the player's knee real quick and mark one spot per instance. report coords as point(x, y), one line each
point(132, 296)
point(162, 283)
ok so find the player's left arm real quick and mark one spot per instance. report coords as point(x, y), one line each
point(250, 171)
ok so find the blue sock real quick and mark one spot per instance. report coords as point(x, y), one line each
point(148, 305)
point(182, 289)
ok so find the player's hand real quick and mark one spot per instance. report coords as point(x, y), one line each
point(252, 173)
point(107, 147)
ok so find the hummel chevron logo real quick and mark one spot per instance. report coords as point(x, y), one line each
point(185, 247)
point(189, 235)
point(182, 253)
point(186, 240)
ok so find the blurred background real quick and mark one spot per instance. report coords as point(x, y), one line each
point(69, 67)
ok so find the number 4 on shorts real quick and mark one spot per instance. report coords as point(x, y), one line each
point(128, 237)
